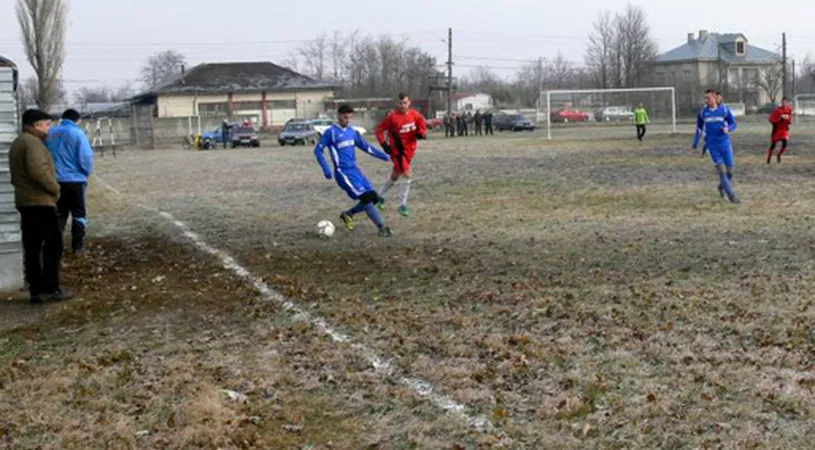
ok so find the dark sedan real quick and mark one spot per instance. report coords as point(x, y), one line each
point(512, 122)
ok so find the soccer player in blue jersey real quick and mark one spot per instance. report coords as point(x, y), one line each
point(342, 140)
point(716, 121)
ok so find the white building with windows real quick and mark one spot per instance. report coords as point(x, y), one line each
point(472, 101)
point(724, 61)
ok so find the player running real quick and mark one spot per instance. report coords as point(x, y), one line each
point(399, 134)
point(341, 140)
point(642, 120)
point(717, 121)
point(781, 118)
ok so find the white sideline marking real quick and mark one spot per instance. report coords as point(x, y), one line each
point(419, 387)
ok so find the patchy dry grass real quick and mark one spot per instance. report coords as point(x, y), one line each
point(581, 294)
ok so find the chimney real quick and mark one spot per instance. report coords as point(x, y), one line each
point(702, 35)
point(690, 38)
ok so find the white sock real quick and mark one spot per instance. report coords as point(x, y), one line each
point(405, 192)
point(388, 185)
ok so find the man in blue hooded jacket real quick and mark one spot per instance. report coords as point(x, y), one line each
point(73, 158)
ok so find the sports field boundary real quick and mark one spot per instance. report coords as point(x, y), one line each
point(420, 387)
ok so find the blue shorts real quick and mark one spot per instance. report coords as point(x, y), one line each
point(353, 182)
point(721, 155)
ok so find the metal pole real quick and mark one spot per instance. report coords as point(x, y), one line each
point(784, 63)
point(540, 88)
point(449, 71)
point(793, 78)
point(548, 116)
point(673, 109)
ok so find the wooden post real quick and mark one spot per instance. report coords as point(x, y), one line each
point(265, 107)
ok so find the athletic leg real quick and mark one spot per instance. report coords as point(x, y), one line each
point(784, 144)
point(79, 220)
point(770, 151)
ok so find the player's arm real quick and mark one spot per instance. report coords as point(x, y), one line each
point(85, 154)
point(730, 121)
point(383, 127)
point(363, 145)
point(700, 128)
point(421, 124)
point(319, 153)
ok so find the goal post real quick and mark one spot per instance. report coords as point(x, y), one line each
point(611, 105)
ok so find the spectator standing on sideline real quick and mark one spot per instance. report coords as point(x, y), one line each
point(225, 131)
point(466, 123)
point(488, 123)
point(73, 158)
point(448, 125)
point(459, 125)
point(478, 118)
point(36, 191)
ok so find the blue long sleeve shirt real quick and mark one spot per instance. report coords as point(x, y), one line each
point(72, 153)
point(712, 123)
point(342, 144)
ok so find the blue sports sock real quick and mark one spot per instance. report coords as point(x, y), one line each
point(373, 213)
point(358, 208)
point(725, 183)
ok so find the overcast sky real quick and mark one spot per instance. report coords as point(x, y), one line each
point(108, 40)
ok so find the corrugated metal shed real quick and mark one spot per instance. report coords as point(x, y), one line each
point(11, 258)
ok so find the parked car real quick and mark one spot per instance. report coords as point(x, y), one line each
point(213, 138)
point(614, 113)
point(244, 136)
point(512, 122)
point(298, 133)
point(567, 115)
point(767, 108)
point(323, 124)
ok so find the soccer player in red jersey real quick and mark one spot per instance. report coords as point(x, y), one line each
point(399, 134)
point(781, 119)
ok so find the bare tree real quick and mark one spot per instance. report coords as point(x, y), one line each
point(86, 95)
point(771, 81)
point(30, 93)
point(313, 55)
point(123, 93)
point(162, 67)
point(42, 23)
point(637, 47)
point(600, 52)
point(558, 73)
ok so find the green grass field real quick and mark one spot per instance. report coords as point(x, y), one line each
point(588, 292)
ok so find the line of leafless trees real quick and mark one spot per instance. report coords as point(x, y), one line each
point(366, 66)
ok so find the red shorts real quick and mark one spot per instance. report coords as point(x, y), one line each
point(778, 137)
point(401, 163)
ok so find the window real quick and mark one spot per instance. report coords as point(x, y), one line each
point(687, 74)
point(281, 104)
point(733, 77)
point(740, 47)
point(248, 106)
point(750, 76)
point(212, 107)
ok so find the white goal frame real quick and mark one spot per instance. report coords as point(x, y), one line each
point(795, 99)
point(670, 89)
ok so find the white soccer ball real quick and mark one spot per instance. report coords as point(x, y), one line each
point(325, 229)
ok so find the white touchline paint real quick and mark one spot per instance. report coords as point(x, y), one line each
point(419, 387)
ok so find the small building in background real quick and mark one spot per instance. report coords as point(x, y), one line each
point(472, 101)
point(263, 92)
point(11, 252)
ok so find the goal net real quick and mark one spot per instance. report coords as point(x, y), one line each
point(603, 113)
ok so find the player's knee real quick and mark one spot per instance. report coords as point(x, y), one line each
point(369, 197)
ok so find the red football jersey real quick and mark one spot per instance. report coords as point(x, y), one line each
point(781, 119)
point(400, 130)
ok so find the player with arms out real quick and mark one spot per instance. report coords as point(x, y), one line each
point(781, 118)
point(342, 140)
point(399, 134)
point(716, 121)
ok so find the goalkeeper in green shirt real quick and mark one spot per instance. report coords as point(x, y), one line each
point(641, 118)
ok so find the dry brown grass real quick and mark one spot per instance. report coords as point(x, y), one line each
point(590, 294)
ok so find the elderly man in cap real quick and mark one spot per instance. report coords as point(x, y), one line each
point(36, 191)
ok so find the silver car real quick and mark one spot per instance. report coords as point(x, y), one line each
point(614, 113)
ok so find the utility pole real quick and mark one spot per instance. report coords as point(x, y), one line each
point(540, 88)
point(793, 79)
point(784, 63)
point(449, 71)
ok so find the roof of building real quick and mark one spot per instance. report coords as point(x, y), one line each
point(467, 94)
point(7, 62)
point(715, 46)
point(238, 77)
